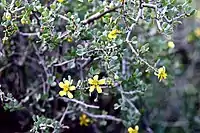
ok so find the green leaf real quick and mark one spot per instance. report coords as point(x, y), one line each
point(192, 13)
point(80, 50)
point(18, 3)
point(114, 57)
point(173, 1)
point(4, 2)
point(189, 1)
point(80, 0)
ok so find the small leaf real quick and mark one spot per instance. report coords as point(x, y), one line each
point(4, 2)
point(192, 13)
point(114, 57)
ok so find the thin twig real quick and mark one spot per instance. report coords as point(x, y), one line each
point(131, 92)
point(79, 102)
point(63, 17)
point(4, 67)
point(29, 34)
point(131, 29)
point(145, 62)
point(24, 100)
point(99, 15)
point(133, 24)
point(63, 116)
point(106, 117)
point(42, 62)
point(65, 62)
point(12, 4)
point(18, 9)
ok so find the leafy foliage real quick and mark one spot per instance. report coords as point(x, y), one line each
point(51, 44)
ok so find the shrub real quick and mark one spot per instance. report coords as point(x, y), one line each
point(85, 60)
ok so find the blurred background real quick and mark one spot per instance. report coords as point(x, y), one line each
point(176, 109)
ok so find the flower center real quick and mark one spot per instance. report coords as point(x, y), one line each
point(84, 120)
point(95, 82)
point(162, 74)
point(66, 88)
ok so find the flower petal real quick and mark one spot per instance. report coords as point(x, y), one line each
point(96, 77)
point(110, 36)
point(87, 120)
point(61, 85)
point(86, 124)
point(91, 88)
point(90, 81)
point(130, 130)
point(161, 69)
point(165, 75)
point(67, 83)
point(164, 68)
point(118, 31)
point(102, 81)
point(69, 94)
point(81, 122)
point(99, 90)
point(136, 127)
point(72, 88)
point(81, 118)
point(84, 116)
point(62, 93)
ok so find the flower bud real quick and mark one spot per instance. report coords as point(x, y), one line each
point(4, 39)
point(8, 16)
point(171, 44)
point(23, 20)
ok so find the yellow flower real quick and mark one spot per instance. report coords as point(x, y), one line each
point(197, 32)
point(67, 87)
point(131, 130)
point(113, 34)
point(161, 73)
point(60, 1)
point(171, 44)
point(84, 120)
point(69, 39)
point(95, 83)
